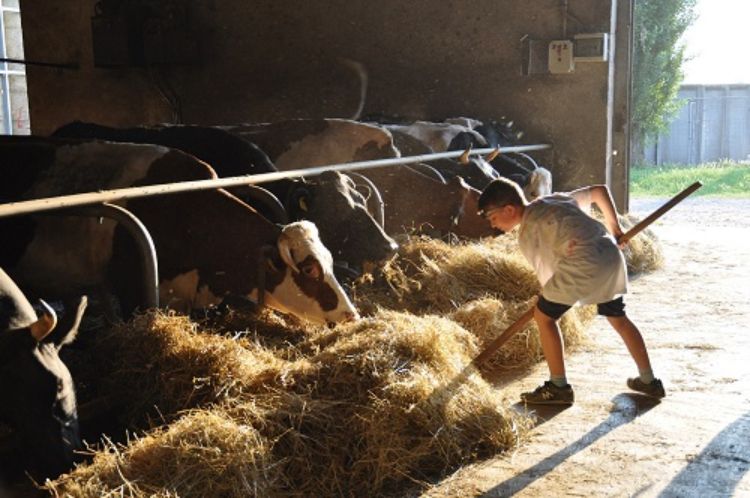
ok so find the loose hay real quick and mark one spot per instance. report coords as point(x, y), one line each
point(363, 409)
point(205, 453)
point(487, 318)
point(484, 286)
point(643, 253)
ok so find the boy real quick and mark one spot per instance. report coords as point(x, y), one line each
point(577, 260)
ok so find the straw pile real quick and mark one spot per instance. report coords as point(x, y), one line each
point(361, 410)
point(643, 253)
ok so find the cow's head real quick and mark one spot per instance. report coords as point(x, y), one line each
point(307, 287)
point(467, 222)
point(537, 184)
point(38, 397)
point(339, 210)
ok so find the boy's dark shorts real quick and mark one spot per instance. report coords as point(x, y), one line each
point(614, 308)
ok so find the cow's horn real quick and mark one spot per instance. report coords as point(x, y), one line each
point(464, 158)
point(286, 253)
point(492, 155)
point(45, 324)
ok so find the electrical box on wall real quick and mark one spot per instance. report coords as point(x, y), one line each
point(561, 57)
point(591, 47)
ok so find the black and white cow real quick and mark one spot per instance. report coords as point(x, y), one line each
point(209, 243)
point(331, 200)
point(37, 396)
point(412, 199)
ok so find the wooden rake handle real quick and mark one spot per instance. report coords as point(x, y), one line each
point(658, 213)
point(521, 322)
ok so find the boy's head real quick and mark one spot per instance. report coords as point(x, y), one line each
point(502, 203)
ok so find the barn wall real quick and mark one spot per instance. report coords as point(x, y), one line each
point(269, 59)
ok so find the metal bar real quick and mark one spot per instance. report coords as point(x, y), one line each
point(5, 83)
point(143, 242)
point(65, 201)
point(69, 65)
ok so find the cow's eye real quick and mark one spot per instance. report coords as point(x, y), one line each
point(311, 270)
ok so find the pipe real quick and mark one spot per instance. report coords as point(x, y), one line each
point(141, 236)
point(50, 203)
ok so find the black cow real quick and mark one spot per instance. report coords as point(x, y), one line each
point(209, 243)
point(36, 389)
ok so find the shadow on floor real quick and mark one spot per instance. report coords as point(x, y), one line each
point(627, 407)
point(718, 469)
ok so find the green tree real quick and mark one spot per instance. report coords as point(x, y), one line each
point(657, 65)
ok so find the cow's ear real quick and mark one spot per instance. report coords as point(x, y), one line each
point(271, 259)
point(67, 328)
point(298, 201)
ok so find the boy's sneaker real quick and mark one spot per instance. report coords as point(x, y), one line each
point(549, 394)
point(654, 389)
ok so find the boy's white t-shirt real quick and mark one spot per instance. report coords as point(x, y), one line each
point(575, 258)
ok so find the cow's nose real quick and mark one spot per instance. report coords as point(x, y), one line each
point(346, 316)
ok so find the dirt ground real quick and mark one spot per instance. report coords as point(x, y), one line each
point(695, 316)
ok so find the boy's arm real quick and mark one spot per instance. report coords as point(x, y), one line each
point(601, 196)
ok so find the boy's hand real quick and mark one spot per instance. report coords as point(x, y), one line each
point(617, 233)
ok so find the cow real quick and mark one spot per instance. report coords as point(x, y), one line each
point(441, 137)
point(300, 143)
point(415, 202)
point(36, 388)
point(535, 181)
point(209, 243)
point(411, 198)
point(331, 200)
point(423, 137)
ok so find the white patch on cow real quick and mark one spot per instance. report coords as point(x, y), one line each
point(436, 135)
point(182, 293)
point(339, 142)
point(470, 123)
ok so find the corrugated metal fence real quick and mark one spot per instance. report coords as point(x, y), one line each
point(713, 124)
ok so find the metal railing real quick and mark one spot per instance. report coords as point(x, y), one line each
point(84, 199)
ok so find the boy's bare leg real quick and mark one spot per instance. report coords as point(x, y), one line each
point(633, 340)
point(552, 344)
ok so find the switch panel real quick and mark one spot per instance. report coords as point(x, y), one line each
point(561, 57)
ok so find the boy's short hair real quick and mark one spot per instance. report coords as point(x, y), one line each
point(501, 192)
